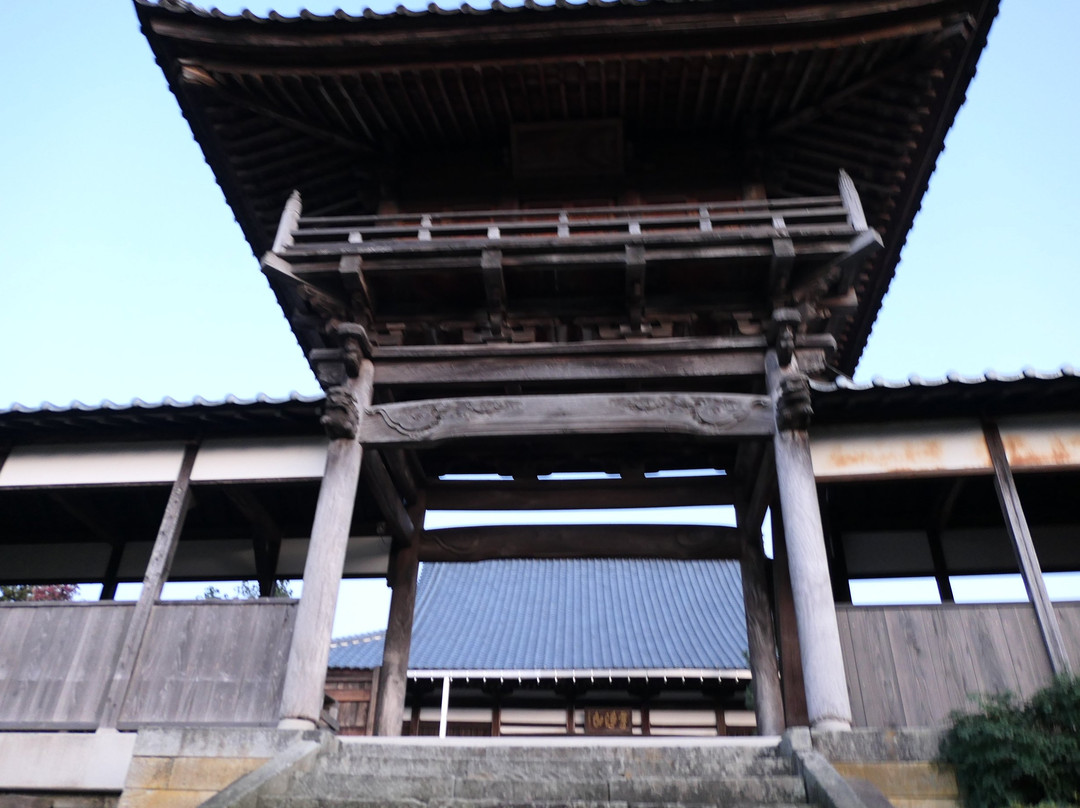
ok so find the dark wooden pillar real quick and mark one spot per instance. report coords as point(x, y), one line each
point(761, 637)
point(109, 580)
point(305, 675)
point(827, 701)
point(1028, 561)
point(791, 676)
point(404, 566)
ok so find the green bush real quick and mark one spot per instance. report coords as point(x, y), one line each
point(1018, 754)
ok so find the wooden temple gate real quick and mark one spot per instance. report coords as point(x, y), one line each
point(584, 239)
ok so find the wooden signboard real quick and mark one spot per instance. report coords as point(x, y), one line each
point(609, 721)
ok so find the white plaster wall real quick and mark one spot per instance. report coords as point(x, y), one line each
point(900, 450)
point(95, 464)
point(260, 459)
point(54, 761)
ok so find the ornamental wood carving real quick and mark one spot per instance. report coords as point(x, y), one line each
point(341, 417)
point(702, 414)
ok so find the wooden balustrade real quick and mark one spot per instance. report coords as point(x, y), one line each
point(808, 216)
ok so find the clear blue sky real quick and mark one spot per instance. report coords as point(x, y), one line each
point(123, 274)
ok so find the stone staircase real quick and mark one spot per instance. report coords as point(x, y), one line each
point(592, 773)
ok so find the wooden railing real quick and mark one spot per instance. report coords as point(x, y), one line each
point(205, 662)
point(803, 217)
point(909, 666)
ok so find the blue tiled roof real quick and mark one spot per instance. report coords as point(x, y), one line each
point(561, 615)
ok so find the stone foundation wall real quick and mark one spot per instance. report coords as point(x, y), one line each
point(899, 763)
point(57, 800)
point(182, 768)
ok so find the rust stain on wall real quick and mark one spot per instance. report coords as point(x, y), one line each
point(909, 455)
point(1054, 450)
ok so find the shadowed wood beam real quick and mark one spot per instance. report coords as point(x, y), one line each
point(518, 369)
point(267, 535)
point(1024, 547)
point(402, 475)
point(432, 421)
point(393, 673)
point(494, 286)
point(191, 74)
point(389, 501)
point(940, 519)
point(761, 636)
point(98, 526)
point(791, 682)
point(840, 273)
point(683, 542)
point(527, 495)
point(751, 510)
point(89, 517)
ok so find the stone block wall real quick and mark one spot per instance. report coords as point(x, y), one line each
point(899, 763)
point(182, 768)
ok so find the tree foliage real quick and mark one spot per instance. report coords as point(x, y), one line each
point(1010, 753)
point(40, 592)
point(248, 590)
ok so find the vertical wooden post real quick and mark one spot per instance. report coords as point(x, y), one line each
point(305, 674)
point(761, 637)
point(157, 571)
point(404, 564)
point(827, 701)
point(791, 681)
point(112, 568)
point(1005, 486)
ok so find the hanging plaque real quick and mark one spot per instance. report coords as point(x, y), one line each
point(609, 721)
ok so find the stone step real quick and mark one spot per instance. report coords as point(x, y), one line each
point(575, 762)
point(573, 769)
point(699, 790)
point(351, 802)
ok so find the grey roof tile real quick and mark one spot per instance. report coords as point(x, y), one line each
point(552, 614)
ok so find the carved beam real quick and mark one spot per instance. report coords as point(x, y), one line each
point(683, 542)
point(699, 414)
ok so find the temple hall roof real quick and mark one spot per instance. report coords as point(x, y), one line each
point(559, 615)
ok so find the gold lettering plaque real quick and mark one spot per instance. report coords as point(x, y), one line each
point(609, 721)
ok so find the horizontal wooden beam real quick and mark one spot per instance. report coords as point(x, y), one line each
point(432, 421)
point(523, 370)
point(683, 542)
point(528, 495)
point(667, 345)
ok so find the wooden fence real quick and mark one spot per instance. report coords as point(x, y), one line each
point(912, 665)
point(206, 662)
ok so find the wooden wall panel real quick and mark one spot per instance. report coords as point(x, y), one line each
point(1069, 618)
point(56, 660)
point(355, 691)
point(211, 662)
point(912, 665)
